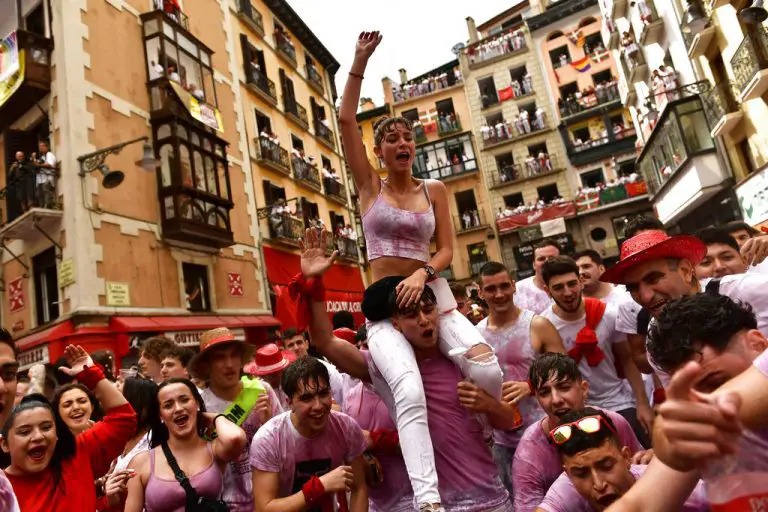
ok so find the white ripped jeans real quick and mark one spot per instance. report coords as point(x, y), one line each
point(395, 360)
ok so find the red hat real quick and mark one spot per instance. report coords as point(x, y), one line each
point(346, 334)
point(269, 359)
point(211, 339)
point(653, 245)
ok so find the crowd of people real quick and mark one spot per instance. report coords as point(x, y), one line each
point(579, 101)
point(497, 46)
point(32, 179)
point(427, 85)
point(539, 204)
point(523, 123)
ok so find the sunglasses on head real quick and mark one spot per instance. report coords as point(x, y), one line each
point(589, 425)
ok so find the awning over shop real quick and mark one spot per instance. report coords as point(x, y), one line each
point(507, 224)
point(55, 332)
point(188, 323)
point(344, 286)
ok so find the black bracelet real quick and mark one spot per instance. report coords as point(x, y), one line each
point(213, 423)
point(358, 75)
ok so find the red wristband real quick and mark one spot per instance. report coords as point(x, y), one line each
point(659, 395)
point(313, 491)
point(90, 376)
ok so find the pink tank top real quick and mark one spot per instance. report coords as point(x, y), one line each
point(163, 495)
point(391, 231)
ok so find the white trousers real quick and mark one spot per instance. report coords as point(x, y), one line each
point(395, 360)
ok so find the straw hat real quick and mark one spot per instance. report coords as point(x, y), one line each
point(216, 338)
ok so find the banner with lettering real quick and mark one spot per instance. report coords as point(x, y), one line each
point(200, 110)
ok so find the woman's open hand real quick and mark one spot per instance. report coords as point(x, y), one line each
point(314, 260)
point(409, 290)
point(367, 43)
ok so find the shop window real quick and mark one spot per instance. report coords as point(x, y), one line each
point(548, 192)
point(559, 56)
point(514, 200)
point(488, 94)
point(196, 287)
point(592, 179)
point(46, 286)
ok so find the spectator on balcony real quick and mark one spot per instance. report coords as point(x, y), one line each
point(525, 122)
point(173, 75)
point(531, 166)
point(485, 131)
point(196, 92)
point(618, 131)
point(563, 60)
point(631, 49)
point(644, 10)
point(545, 164)
point(466, 219)
point(21, 179)
point(541, 118)
point(172, 9)
point(155, 70)
point(44, 179)
point(516, 88)
point(501, 130)
point(475, 218)
point(527, 83)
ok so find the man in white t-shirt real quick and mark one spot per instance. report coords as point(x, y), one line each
point(598, 347)
point(530, 293)
point(295, 342)
point(658, 269)
point(590, 269)
point(752, 244)
point(44, 179)
point(309, 457)
point(723, 257)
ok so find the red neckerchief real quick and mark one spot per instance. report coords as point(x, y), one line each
point(586, 340)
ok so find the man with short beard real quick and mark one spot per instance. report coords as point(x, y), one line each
point(516, 336)
point(588, 330)
point(248, 403)
point(590, 269)
point(559, 388)
point(598, 468)
point(658, 269)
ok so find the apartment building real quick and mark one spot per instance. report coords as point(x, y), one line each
point(597, 130)
point(103, 250)
point(690, 72)
point(522, 155)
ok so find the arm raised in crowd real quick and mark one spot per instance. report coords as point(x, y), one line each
point(314, 263)
point(362, 172)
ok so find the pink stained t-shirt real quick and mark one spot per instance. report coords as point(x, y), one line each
point(394, 494)
point(238, 493)
point(563, 496)
point(468, 480)
point(515, 353)
point(537, 465)
point(279, 448)
point(530, 297)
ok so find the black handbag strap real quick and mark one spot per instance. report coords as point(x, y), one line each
point(192, 498)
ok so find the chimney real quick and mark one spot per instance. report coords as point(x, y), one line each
point(403, 76)
point(366, 104)
point(472, 29)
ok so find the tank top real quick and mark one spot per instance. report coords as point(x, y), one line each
point(164, 495)
point(515, 353)
point(391, 231)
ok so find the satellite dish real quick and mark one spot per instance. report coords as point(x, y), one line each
point(457, 48)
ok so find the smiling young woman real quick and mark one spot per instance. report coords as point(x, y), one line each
point(50, 469)
point(401, 215)
point(76, 405)
point(183, 421)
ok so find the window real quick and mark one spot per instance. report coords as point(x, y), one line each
point(289, 95)
point(603, 76)
point(446, 157)
point(488, 95)
point(580, 134)
point(568, 89)
point(559, 56)
point(548, 192)
point(504, 160)
point(694, 127)
point(593, 42)
point(554, 35)
point(588, 21)
point(297, 143)
point(337, 221)
point(494, 119)
point(531, 109)
point(309, 211)
point(517, 74)
point(412, 115)
point(46, 286)
point(478, 256)
point(263, 123)
point(445, 107)
point(618, 120)
point(535, 149)
point(196, 287)
point(592, 178)
point(625, 168)
point(514, 200)
point(326, 162)
point(272, 193)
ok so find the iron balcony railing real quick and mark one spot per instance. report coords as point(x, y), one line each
point(252, 15)
point(172, 12)
point(335, 189)
point(750, 57)
point(602, 96)
point(305, 173)
point(497, 45)
point(448, 124)
point(286, 227)
point(447, 170)
point(532, 167)
point(314, 76)
point(719, 102)
point(469, 220)
point(29, 186)
point(273, 153)
point(325, 133)
point(285, 47)
point(264, 84)
point(299, 113)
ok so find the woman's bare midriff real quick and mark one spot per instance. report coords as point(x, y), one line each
point(393, 266)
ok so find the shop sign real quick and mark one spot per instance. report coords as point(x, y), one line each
point(529, 234)
point(33, 356)
point(753, 198)
point(192, 338)
point(16, 294)
point(66, 273)
point(235, 283)
point(118, 294)
point(334, 306)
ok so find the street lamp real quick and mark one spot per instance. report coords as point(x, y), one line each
point(111, 179)
point(695, 19)
point(754, 14)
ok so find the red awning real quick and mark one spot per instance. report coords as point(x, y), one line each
point(507, 224)
point(188, 323)
point(51, 333)
point(343, 283)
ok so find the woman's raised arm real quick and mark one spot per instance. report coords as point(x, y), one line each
point(362, 172)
